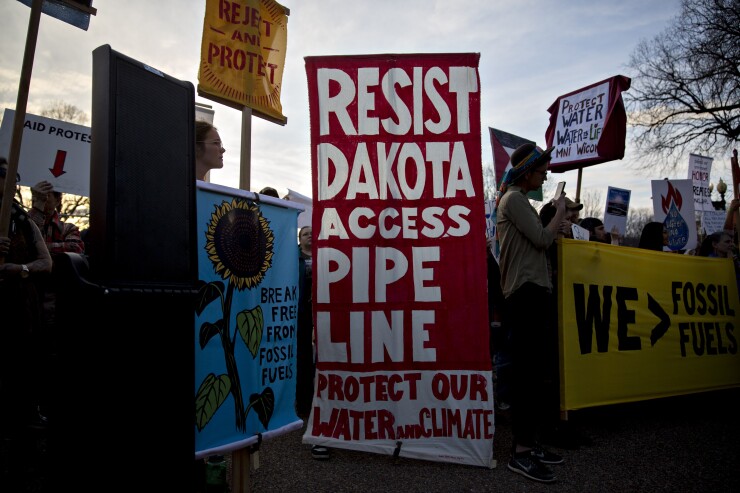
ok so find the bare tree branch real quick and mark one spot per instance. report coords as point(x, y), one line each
point(593, 204)
point(489, 182)
point(636, 220)
point(59, 110)
point(685, 92)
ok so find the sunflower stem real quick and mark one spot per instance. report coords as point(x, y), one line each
point(228, 345)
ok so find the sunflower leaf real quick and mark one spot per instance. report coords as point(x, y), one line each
point(212, 393)
point(207, 293)
point(251, 325)
point(208, 331)
point(264, 405)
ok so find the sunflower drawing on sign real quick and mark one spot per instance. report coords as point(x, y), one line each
point(239, 243)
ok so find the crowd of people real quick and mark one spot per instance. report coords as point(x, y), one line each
point(29, 335)
point(523, 305)
point(523, 340)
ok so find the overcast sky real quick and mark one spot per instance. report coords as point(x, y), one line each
point(532, 51)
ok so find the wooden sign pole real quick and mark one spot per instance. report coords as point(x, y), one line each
point(20, 118)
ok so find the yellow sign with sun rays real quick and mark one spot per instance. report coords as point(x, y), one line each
point(243, 55)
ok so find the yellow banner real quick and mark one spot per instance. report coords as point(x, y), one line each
point(638, 324)
point(242, 55)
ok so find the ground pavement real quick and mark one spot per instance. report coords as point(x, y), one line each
point(678, 444)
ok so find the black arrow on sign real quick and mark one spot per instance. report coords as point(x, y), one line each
point(58, 169)
point(665, 321)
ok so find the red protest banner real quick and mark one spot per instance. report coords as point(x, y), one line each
point(399, 292)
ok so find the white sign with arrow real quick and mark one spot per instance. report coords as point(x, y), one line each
point(51, 150)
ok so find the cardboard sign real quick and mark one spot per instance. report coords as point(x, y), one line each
point(617, 206)
point(673, 205)
point(51, 150)
point(588, 126)
point(700, 169)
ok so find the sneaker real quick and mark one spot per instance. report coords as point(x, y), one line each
point(545, 456)
point(319, 453)
point(528, 466)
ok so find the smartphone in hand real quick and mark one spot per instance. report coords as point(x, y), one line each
point(559, 190)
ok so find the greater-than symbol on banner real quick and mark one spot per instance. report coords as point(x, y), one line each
point(665, 321)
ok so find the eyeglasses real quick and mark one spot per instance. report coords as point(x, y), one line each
point(217, 142)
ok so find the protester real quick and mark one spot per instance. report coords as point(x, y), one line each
point(597, 232)
point(526, 285)
point(574, 210)
point(270, 192)
point(732, 217)
point(305, 359)
point(60, 237)
point(45, 211)
point(721, 245)
point(717, 245)
point(209, 154)
point(654, 236)
point(25, 261)
point(555, 431)
point(209, 150)
point(500, 338)
point(547, 213)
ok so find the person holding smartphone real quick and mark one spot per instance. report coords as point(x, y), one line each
point(526, 284)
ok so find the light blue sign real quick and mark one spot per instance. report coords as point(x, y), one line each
point(246, 319)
